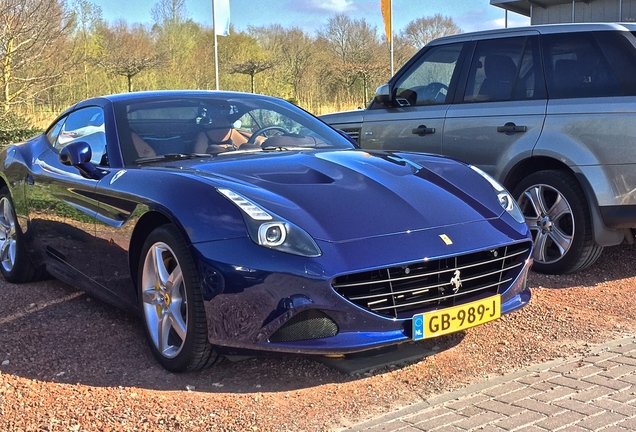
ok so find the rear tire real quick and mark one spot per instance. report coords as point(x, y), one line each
point(558, 215)
point(171, 302)
point(15, 264)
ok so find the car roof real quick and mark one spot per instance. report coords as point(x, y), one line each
point(535, 29)
point(158, 94)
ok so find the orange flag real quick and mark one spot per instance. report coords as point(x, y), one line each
point(385, 7)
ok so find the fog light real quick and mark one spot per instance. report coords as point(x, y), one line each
point(272, 234)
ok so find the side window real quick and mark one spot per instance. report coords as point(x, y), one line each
point(576, 67)
point(260, 118)
point(54, 132)
point(427, 82)
point(505, 69)
point(86, 124)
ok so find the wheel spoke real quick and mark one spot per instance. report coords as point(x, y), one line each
point(174, 281)
point(163, 333)
point(160, 270)
point(531, 221)
point(177, 322)
point(151, 297)
point(540, 247)
point(535, 196)
point(559, 209)
point(5, 251)
point(12, 251)
point(560, 239)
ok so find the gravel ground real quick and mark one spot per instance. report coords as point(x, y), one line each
point(70, 363)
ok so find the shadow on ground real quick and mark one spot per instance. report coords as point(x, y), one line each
point(51, 332)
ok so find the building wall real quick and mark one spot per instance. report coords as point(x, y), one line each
point(592, 11)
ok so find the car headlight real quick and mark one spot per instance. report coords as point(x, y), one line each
point(271, 231)
point(505, 199)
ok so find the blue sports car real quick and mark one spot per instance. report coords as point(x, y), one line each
point(236, 223)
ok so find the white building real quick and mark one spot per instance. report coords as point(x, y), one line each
point(563, 11)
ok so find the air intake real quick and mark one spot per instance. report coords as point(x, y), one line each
point(307, 325)
point(399, 292)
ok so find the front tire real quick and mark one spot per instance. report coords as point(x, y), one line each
point(15, 264)
point(171, 302)
point(558, 215)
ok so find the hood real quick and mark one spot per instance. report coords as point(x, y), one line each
point(343, 117)
point(340, 196)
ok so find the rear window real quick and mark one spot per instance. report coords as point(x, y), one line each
point(577, 67)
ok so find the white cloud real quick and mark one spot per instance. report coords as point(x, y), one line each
point(337, 6)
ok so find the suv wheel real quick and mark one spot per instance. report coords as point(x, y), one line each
point(557, 213)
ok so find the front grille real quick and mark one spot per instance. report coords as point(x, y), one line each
point(353, 133)
point(399, 292)
point(310, 324)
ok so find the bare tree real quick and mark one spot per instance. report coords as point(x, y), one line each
point(297, 56)
point(423, 30)
point(251, 68)
point(294, 51)
point(33, 35)
point(355, 46)
point(88, 18)
point(175, 32)
point(127, 51)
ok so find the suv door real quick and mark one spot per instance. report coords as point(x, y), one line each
point(589, 130)
point(421, 95)
point(499, 112)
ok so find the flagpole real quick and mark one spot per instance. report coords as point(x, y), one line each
point(391, 47)
point(216, 51)
point(386, 7)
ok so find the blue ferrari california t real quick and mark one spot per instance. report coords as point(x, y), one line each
point(237, 222)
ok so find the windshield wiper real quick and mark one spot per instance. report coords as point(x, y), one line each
point(171, 157)
point(283, 148)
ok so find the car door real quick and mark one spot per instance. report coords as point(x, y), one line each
point(61, 202)
point(499, 113)
point(414, 121)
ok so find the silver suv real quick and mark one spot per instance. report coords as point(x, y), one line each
point(550, 111)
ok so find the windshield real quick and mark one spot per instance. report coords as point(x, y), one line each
point(156, 128)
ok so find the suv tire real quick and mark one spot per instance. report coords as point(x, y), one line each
point(557, 213)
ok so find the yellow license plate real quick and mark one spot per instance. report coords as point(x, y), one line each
point(456, 318)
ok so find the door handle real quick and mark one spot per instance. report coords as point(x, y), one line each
point(422, 130)
point(511, 128)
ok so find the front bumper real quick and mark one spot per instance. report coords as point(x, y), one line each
point(248, 305)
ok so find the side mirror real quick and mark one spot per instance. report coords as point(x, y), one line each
point(78, 154)
point(383, 95)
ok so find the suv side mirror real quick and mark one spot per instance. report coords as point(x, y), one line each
point(79, 154)
point(383, 95)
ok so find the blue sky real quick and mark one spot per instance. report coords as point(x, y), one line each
point(312, 15)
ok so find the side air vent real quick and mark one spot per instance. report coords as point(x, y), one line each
point(353, 133)
point(307, 325)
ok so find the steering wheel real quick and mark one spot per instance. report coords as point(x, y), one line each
point(434, 90)
point(261, 131)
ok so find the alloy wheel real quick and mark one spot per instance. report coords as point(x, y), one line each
point(549, 217)
point(8, 236)
point(164, 300)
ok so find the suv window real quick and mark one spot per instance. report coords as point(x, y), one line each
point(576, 67)
point(505, 69)
point(427, 82)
